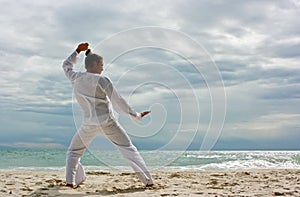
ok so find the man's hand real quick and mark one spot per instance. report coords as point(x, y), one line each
point(139, 116)
point(145, 113)
point(82, 47)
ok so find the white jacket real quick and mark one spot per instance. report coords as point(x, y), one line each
point(95, 93)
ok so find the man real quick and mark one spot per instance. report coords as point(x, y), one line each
point(95, 94)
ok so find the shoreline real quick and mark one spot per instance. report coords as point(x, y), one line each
point(253, 182)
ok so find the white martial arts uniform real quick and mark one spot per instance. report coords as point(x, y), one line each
point(95, 93)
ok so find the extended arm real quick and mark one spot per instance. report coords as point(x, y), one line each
point(118, 101)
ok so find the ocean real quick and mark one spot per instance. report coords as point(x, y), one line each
point(93, 160)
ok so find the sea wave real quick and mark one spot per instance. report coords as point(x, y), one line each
point(32, 160)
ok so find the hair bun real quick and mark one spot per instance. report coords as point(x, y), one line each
point(88, 52)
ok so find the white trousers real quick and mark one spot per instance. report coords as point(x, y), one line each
point(75, 173)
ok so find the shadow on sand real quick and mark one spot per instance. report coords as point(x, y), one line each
point(61, 190)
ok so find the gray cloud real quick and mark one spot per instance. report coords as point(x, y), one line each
point(255, 45)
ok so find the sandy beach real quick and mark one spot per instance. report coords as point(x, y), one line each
point(168, 183)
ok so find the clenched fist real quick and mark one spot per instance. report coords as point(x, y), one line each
point(82, 47)
point(145, 113)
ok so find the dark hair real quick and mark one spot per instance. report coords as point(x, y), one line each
point(91, 57)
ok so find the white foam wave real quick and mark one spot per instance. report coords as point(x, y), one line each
point(250, 164)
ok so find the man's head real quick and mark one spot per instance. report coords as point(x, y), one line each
point(93, 63)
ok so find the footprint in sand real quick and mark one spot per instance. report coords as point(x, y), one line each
point(10, 183)
point(26, 189)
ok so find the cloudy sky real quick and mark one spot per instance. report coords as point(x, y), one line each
point(215, 74)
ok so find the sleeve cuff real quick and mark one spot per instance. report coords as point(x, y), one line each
point(137, 117)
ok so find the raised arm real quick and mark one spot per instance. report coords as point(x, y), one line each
point(71, 60)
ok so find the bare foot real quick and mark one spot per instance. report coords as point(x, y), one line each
point(150, 185)
point(72, 185)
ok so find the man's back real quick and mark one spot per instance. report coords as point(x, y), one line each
point(90, 94)
point(94, 93)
